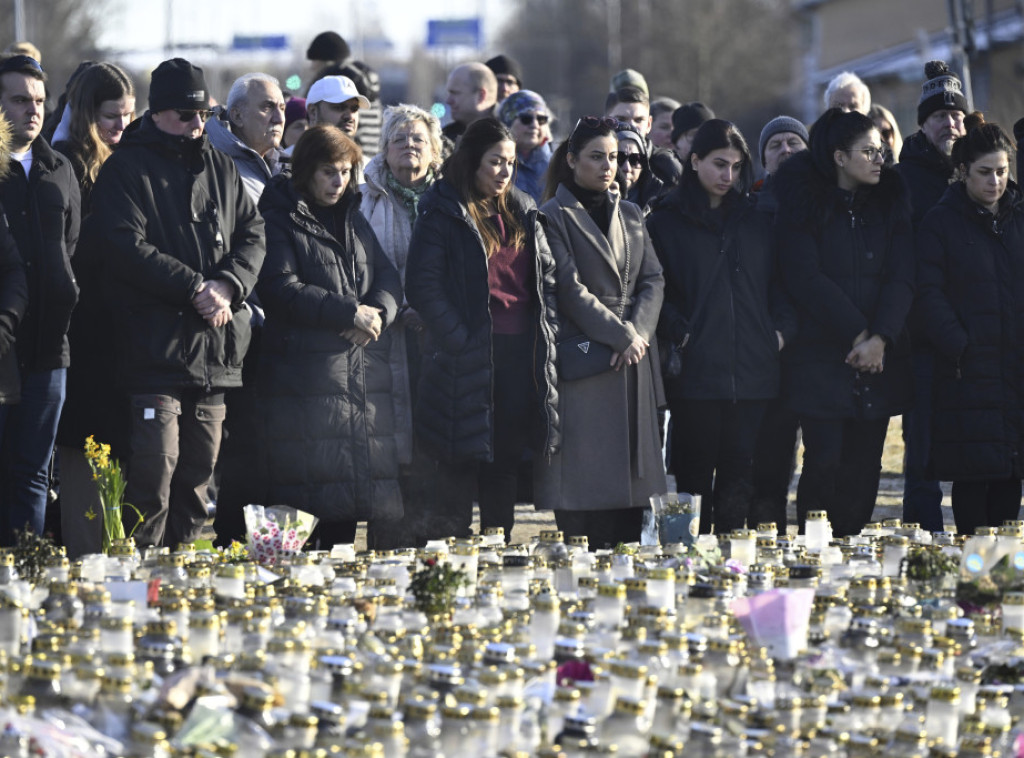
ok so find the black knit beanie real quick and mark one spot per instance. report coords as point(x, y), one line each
point(942, 91)
point(688, 117)
point(502, 64)
point(328, 46)
point(178, 84)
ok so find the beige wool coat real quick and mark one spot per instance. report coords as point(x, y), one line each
point(611, 450)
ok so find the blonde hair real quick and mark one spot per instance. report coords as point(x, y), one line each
point(91, 88)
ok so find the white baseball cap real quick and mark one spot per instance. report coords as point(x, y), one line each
point(335, 89)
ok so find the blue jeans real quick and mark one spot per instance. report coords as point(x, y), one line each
point(29, 430)
point(922, 496)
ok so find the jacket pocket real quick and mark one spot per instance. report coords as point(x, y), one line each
point(238, 334)
point(156, 337)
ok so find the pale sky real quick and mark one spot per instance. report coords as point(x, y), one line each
point(141, 25)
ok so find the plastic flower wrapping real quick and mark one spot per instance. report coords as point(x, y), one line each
point(276, 532)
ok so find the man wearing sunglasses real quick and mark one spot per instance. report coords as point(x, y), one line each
point(183, 246)
point(40, 200)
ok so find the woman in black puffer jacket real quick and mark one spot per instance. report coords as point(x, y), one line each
point(482, 278)
point(725, 313)
point(324, 380)
point(847, 261)
point(970, 305)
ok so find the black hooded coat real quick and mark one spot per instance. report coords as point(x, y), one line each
point(847, 262)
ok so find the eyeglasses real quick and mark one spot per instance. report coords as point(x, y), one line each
point(19, 63)
point(187, 115)
point(633, 159)
point(526, 119)
point(870, 153)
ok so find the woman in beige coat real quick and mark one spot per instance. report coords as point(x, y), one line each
point(610, 290)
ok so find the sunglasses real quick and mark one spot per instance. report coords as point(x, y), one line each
point(526, 119)
point(633, 159)
point(19, 63)
point(593, 122)
point(187, 115)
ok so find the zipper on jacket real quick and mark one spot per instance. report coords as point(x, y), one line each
point(732, 312)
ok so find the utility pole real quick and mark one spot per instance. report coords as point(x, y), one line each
point(961, 16)
point(613, 20)
point(19, 20)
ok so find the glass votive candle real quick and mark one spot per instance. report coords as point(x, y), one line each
point(610, 604)
point(743, 546)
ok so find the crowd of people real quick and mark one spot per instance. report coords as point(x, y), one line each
point(351, 310)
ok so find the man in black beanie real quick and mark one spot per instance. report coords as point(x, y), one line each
point(926, 167)
point(184, 245)
point(508, 73)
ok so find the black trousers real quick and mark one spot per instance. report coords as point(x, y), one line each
point(712, 456)
point(842, 465)
point(774, 464)
point(603, 529)
point(985, 503)
point(495, 483)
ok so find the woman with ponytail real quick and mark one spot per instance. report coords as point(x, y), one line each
point(970, 305)
point(847, 261)
point(610, 290)
point(725, 315)
point(481, 277)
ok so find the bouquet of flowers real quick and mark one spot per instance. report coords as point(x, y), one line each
point(673, 518)
point(110, 483)
point(276, 532)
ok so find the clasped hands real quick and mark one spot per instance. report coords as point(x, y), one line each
point(213, 300)
point(631, 355)
point(868, 353)
point(366, 326)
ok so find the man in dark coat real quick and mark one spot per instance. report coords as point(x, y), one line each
point(777, 440)
point(926, 168)
point(40, 197)
point(13, 301)
point(184, 248)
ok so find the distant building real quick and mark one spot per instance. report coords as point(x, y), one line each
point(887, 42)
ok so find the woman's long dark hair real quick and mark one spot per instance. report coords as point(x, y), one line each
point(559, 171)
point(460, 170)
point(836, 130)
point(718, 134)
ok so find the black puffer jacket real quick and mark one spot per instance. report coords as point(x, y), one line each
point(926, 172)
point(173, 213)
point(847, 262)
point(446, 282)
point(330, 429)
point(970, 302)
point(727, 259)
point(43, 212)
point(13, 301)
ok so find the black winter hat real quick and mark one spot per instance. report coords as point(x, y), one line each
point(328, 46)
point(688, 117)
point(942, 91)
point(176, 83)
point(502, 64)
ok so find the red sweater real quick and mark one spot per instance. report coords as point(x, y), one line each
point(508, 278)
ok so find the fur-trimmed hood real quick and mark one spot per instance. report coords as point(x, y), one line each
point(808, 198)
point(5, 146)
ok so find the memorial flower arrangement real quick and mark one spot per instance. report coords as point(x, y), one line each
point(110, 483)
point(435, 587)
point(276, 532)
